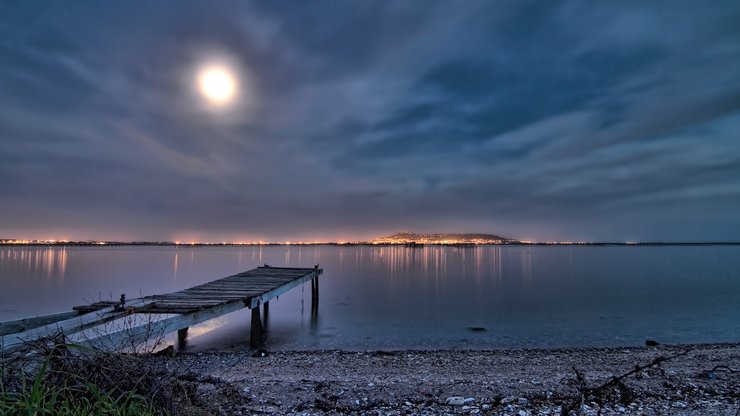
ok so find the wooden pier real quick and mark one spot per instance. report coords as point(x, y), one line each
point(175, 311)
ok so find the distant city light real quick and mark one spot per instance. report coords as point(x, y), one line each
point(420, 239)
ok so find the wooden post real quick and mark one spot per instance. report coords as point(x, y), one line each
point(185, 308)
point(314, 305)
point(316, 288)
point(182, 338)
point(256, 333)
point(313, 290)
point(314, 299)
point(266, 312)
point(315, 294)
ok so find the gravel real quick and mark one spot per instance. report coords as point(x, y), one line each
point(703, 381)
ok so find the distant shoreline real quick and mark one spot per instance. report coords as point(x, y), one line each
point(412, 245)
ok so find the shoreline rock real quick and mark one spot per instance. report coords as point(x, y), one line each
point(509, 382)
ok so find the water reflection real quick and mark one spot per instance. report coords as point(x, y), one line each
point(438, 264)
point(526, 259)
point(407, 297)
point(207, 326)
point(177, 261)
point(50, 262)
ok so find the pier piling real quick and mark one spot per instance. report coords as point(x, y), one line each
point(182, 338)
point(178, 311)
point(256, 331)
point(265, 315)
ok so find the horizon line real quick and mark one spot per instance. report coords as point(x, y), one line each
point(503, 242)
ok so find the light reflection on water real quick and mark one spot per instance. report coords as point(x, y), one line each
point(174, 271)
point(34, 261)
point(403, 297)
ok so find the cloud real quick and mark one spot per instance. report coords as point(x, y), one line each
point(555, 120)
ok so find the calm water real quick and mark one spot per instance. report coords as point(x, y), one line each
point(398, 297)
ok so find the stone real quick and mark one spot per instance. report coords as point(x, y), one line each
point(260, 353)
point(169, 351)
point(455, 401)
point(458, 400)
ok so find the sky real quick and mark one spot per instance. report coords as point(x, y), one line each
point(541, 120)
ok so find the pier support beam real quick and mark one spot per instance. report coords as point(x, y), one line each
point(266, 313)
point(182, 338)
point(256, 331)
point(251, 288)
point(315, 293)
point(314, 300)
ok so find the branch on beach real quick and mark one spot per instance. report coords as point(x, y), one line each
point(597, 393)
point(724, 368)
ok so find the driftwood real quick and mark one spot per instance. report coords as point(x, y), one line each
point(596, 393)
point(724, 368)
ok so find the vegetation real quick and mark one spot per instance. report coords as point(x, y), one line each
point(43, 399)
point(61, 383)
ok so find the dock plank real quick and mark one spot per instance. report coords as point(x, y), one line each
point(142, 333)
point(196, 304)
point(13, 342)
point(20, 325)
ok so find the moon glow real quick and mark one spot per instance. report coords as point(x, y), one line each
point(217, 84)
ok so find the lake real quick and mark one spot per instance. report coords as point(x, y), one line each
point(393, 297)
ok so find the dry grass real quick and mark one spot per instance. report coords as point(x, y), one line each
point(54, 377)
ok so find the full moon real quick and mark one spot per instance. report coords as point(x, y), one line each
point(217, 84)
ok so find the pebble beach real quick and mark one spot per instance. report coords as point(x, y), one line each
point(676, 380)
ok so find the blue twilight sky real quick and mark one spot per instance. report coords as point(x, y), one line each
point(542, 120)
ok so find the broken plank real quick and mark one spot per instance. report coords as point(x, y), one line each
point(258, 300)
point(141, 333)
point(20, 325)
point(13, 342)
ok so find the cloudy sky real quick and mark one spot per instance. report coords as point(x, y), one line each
point(529, 119)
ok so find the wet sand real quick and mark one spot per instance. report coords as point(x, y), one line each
point(699, 380)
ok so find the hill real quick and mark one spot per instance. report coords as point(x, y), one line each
point(441, 238)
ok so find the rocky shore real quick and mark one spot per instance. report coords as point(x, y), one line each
point(668, 380)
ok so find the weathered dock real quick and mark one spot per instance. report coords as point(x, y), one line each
point(175, 311)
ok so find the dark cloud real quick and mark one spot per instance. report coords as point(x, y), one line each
point(550, 120)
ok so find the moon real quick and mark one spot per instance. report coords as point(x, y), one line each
point(217, 84)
